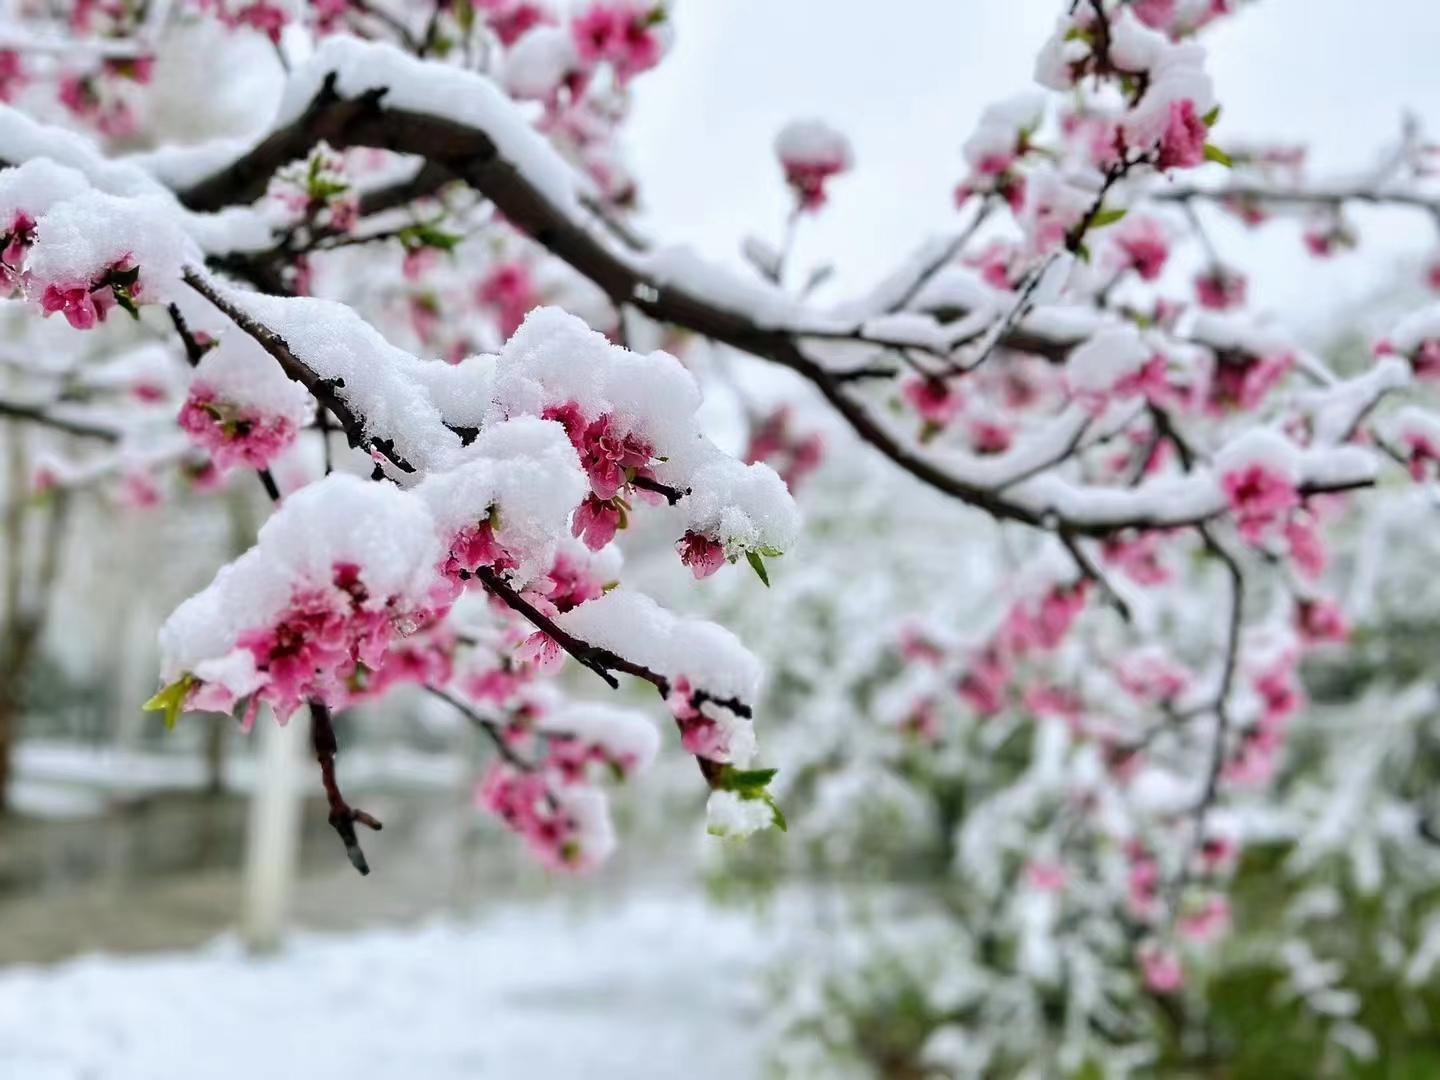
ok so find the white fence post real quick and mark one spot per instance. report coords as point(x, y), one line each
point(273, 836)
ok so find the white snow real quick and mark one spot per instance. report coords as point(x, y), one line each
point(443, 91)
point(813, 142)
point(77, 239)
point(651, 989)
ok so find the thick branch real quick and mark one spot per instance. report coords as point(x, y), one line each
point(473, 156)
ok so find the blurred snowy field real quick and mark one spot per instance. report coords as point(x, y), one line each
point(652, 988)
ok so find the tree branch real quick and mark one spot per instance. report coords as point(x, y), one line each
point(343, 816)
point(323, 390)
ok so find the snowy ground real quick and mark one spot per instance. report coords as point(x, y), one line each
point(655, 988)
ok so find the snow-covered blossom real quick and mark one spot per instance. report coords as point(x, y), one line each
point(241, 407)
point(1259, 472)
point(811, 153)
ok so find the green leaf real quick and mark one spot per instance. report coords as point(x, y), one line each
point(125, 300)
point(1083, 253)
point(1210, 118)
point(770, 552)
point(171, 699)
point(428, 236)
point(758, 565)
point(1215, 154)
point(1107, 217)
point(746, 780)
point(780, 822)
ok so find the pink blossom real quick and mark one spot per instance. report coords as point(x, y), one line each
point(1183, 144)
point(1152, 382)
point(773, 441)
point(1207, 924)
point(1046, 876)
point(1250, 211)
point(12, 74)
point(543, 651)
point(1260, 498)
point(570, 583)
point(994, 262)
point(1054, 702)
point(983, 686)
point(811, 154)
point(233, 435)
point(1307, 551)
point(701, 554)
point(596, 521)
point(77, 303)
point(1144, 888)
point(509, 290)
point(916, 647)
point(1138, 557)
point(1220, 289)
point(1255, 761)
point(1058, 611)
point(989, 437)
point(138, 491)
point(922, 721)
point(1151, 677)
point(266, 18)
point(1158, 14)
point(1146, 248)
point(473, 547)
point(496, 685)
point(14, 243)
point(513, 19)
point(418, 261)
point(1425, 360)
point(1242, 380)
point(1218, 853)
point(324, 645)
point(1320, 621)
point(607, 456)
point(627, 33)
point(528, 806)
point(1279, 692)
point(1160, 969)
point(1423, 453)
point(934, 400)
point(329, 14)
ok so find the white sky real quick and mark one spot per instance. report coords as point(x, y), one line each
point(906, 80)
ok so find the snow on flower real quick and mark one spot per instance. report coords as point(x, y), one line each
point(1003, 134)
point(1116, 360)
point(94, 250)
point(241, 408)
point(1417, 433)
point(811, 153)
point(1259, 472)
point(314, 603)
point(733, 816)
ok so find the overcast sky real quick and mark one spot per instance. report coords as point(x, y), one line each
point(906, 80)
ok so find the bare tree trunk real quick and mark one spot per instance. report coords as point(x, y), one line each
point(9, 729)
